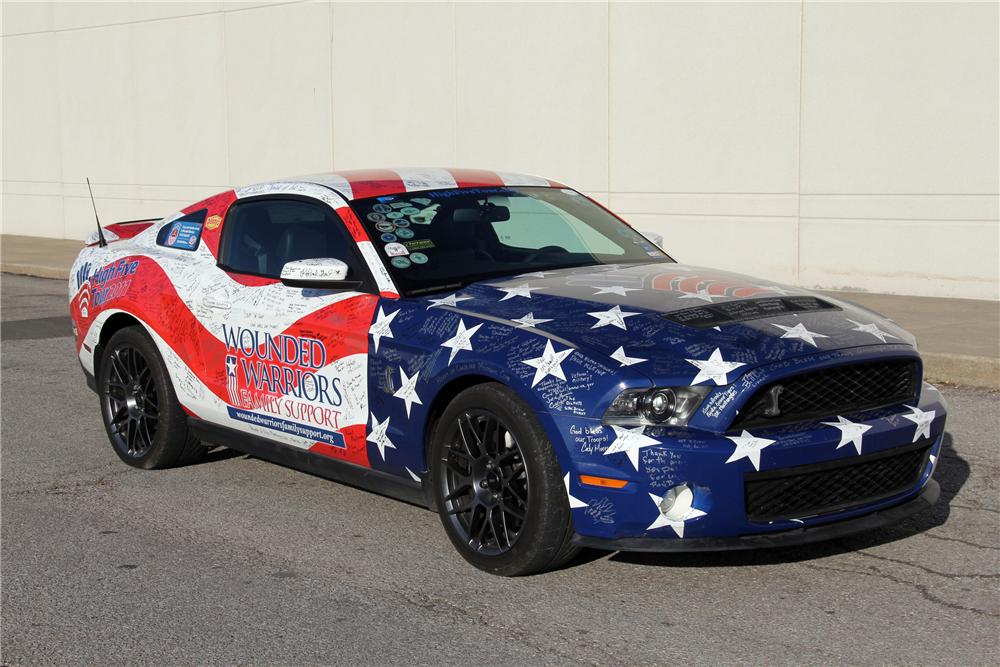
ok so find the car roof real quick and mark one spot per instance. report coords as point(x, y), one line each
point(362, 183)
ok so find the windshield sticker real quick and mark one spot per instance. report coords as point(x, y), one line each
point(400, 204)
point(394, 215)
point(396, 249)
point(419, 244)
point(422, 201)
point(461, 192)
point(213, 222)
point(400, 262)
point(388, 238)
point(421, 220)
point(385, 226)
point(402, 223)
point(404, 233)
point(410, 210)
point(381, 208)
point(418, 258)
point(376, 217)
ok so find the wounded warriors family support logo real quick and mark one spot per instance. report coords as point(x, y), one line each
point(274, 381)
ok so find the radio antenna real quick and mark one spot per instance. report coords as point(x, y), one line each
point(101, 241)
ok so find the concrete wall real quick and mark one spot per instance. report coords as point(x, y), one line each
point(841, 145)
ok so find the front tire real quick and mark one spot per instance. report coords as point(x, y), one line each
point(498, 485)
point(144, 422)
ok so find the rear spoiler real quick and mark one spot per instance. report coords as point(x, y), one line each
point(121, 230)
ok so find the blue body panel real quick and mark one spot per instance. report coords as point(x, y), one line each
point(570, 409)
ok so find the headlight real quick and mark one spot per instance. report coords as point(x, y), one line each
point(672, 406)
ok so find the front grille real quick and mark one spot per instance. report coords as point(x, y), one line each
point(821, 488)
point(831, 391)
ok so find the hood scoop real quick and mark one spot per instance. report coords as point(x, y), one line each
point(717, 314)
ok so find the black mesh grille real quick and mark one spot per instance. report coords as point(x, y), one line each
point(827, 487)
point(832, 391)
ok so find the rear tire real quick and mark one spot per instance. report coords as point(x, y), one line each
point(498, 485)
point(144, 421)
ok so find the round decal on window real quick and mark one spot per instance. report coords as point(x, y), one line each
point(409, 210)
point(381, 208)
point(394, 215)
point(388, 238)
point(376, 217)
point(418, 258)
point(400, 262)
point(402, 223)
point(404, 233)
point(385, 226)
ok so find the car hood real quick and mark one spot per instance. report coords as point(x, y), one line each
point(666, 314)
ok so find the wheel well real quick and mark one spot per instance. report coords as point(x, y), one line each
point(441, 401)
point(113, 325)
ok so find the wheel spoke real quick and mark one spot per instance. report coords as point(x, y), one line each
point(459, 492)
point(513, 512)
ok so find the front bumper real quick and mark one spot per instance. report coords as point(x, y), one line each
point(829, 531)
point(629, 517)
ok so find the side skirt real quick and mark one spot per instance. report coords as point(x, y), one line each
point(315, 464)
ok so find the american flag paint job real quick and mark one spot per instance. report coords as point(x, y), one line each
point(355, 376)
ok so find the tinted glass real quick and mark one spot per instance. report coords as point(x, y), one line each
point(260, 236)
point(439, 239)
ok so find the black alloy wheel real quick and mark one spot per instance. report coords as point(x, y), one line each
point(130, 399)
point(498, 485)
point(145, 423)
point(485, 485)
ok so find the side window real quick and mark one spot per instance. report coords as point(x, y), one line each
point(183, 233)
point(260, 236)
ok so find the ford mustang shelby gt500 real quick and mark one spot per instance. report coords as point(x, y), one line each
point(505, 350)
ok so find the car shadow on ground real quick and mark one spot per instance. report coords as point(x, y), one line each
point(952, 473)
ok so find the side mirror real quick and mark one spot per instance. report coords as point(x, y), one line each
point(654, 238)
point(319, 272)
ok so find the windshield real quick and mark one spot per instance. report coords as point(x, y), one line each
point(443, 239)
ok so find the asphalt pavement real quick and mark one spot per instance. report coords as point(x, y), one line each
point(236, 560)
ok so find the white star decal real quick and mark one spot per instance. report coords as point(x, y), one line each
point(922, 420)
point(625, 360)
point(524, 290)
point(630, 441)
point(615, 317)
point(799, 331)
point(748, 446)
point(408, 390)
point(231, 366)
point(450, 300)
point(870, 328)
point(462, 340)
point(850, 432)
point(574, 503)
point(615, 289)
point(379, 435)
point(676, 524)
point(700, 294)
point(380, 327)
point(529, 320)
point(715, 368)
point(549, 363)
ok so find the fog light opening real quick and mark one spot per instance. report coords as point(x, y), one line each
point(677, 502)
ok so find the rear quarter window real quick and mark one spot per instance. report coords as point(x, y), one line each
point(183, 233)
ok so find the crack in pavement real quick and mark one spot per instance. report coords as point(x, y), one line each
point(959, 541)
point(922, 589)
point(946, 575)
